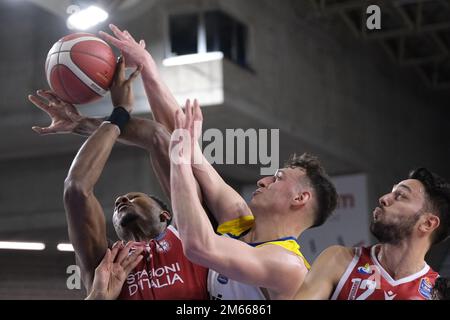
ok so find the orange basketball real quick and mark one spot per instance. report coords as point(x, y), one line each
point(80, 68)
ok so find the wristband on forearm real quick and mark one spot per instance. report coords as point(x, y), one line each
point(120, 116)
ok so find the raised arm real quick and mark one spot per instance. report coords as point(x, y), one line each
point(144, 133)
point(224, 203)
point(270, 266)
point(85, 217)
point(325, 273)
point(163, 103)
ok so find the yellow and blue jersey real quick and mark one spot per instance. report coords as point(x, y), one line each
point(222, 288)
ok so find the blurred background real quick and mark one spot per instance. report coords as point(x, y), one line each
point(371, 104)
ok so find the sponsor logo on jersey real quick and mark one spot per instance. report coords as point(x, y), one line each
point(425, 288)
point(365, 269)
point(222, 279)
point(162, 246)
point(389, 295)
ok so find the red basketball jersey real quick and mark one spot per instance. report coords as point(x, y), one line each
point(365, 279)
point(165, 273)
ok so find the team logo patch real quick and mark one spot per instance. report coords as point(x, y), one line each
point(365, 269)
point(425, 288)
point(162, 246)
point(222, 279)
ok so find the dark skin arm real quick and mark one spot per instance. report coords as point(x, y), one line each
point(85, 216)
point(144, 133)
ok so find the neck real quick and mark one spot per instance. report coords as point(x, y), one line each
point(403, 259)
point(274, 226)
point(139, 233)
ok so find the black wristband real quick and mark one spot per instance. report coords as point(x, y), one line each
point(120, 116)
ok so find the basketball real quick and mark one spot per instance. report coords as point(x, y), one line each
point(80, 68)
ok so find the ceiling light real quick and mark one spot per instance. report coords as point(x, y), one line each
point(87, 18)
point(22, 245)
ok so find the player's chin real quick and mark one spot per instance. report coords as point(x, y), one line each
point(128, 219)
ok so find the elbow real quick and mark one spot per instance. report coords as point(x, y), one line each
point(196, 251)
point(191, 250)
point(161, 138)
point(75, 189)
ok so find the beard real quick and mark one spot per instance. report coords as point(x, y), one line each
point(394, 232)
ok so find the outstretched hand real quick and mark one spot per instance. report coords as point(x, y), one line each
point(121, 89)
point(65, 117)
point(188, 128)
point(111, 273)
point(134, 52)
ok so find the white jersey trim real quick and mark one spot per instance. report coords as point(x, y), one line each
point(347, 273)
point(174, 231)
point(388, 277)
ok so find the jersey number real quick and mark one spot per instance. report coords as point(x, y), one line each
point(365, 284)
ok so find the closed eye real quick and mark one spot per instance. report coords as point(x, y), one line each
point(400, 195)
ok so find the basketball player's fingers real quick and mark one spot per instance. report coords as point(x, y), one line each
point(39, 103)
point(119, 76)
point(142, 43)
point(114, 252)
point(198, 116)
point(115, 244)
point(135, 74)
point(129, 36)
point(42, 131)
point(107, 259)
point(50, 97)
point(132, 263)
point(124, 253)
point(52, 93)
point(188, 112)
point(178, 119)
point(118, 33)
point(110, 39)
point(131, 257)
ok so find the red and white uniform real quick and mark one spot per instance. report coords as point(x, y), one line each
point(165, 273)
point(365, 279)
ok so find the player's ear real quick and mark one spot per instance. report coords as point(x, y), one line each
point(430, 223)
point(164, 216)
point(300, 199)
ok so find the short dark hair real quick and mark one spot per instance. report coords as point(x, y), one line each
point(441, 290)
point(163, 206)
point(437, 199)
point(320, 182)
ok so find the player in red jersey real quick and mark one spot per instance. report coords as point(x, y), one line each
point(144, 221)
point(409, 220)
